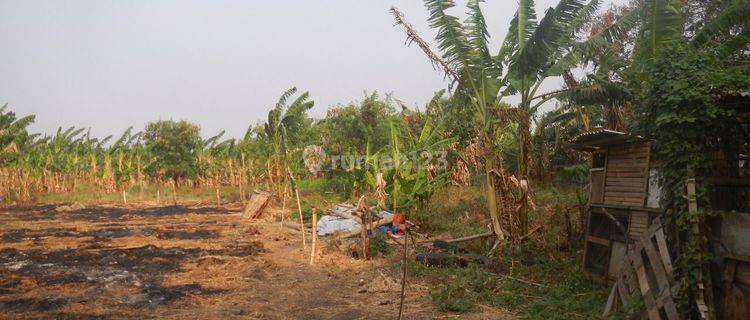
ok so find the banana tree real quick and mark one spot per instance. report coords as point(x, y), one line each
point(529, 51)
point(410, 167)
point(621, 51)
point(285, 122)
point(475, 77)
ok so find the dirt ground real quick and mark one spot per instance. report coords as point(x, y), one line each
point(187, 262)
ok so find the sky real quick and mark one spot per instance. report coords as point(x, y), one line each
point(222, 64)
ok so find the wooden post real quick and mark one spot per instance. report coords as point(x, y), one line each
point(158, 195)
point(364, 214)
point(124, 196)
point(283, 204)
point(314, 234)
point(174, 192)
point(241, 182)
point(301, 220)
point(299, 206)
point(218, 198)
point(704, 301)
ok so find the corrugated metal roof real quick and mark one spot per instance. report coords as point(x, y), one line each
point(596, 139)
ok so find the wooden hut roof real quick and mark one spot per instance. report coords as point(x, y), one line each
point(600, 138)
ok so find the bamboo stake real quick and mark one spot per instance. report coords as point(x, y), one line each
point(299, 207)
point(283, 204)
point(158, 195)
point(301, 220)
point(362, 208)
point(174, 192)
point(314, 234)
point(218, 198)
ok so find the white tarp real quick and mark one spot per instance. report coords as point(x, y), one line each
point(330, 224)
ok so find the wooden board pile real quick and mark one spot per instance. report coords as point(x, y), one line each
point(647, 271)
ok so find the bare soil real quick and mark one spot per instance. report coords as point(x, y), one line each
point(187, 262)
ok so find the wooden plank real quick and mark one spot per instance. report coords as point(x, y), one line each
point(658, 268)
point(640, 160)
point(616, 200)
point(645, 288)
point(661, 242)
point(622, 194)
point(622, 291)
point(627, 168)
point(613, 188)
point(633, 149)
point(639, 175)
point(632, 146)
point(600, 241)
point(645, 181)
point(630, 276)
point(628, 155)
point(623, 184)
point(611, 301)
point(620, 203)
point(667, 303)
point(613, 179)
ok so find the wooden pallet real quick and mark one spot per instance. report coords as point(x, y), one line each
point(647, 270)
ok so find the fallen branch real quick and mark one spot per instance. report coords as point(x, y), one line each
point(469, 238)
point(463, 239)
point(294, 225)
point(524, 237)
point(523, 281)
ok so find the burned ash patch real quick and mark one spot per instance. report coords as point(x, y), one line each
point(31, 212)
point(188, 235)
point(32, 304)
point(18, 235)
point(100, 214)
point(156, 295)
point(108, 233)
point(141, 267)
point(104, 214)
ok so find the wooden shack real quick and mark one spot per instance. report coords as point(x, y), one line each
point(619, 188)
point(624, 198)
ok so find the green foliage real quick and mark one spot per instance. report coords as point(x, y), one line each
point(566, 291)
point(681, 113)
point(454, 297)
point(379, 246)
point(410, 166)
point(174, 145)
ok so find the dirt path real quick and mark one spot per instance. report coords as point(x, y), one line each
point(186, 263)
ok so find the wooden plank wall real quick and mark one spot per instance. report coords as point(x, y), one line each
point(627, 175)
point(638, 224)
point(597, 186)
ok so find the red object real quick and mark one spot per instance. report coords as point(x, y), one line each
point(398, 218)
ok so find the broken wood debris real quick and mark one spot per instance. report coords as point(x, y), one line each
point(647, 269)
point(257, 204)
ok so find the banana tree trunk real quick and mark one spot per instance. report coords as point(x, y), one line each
point(524, 167)
point(492, 198)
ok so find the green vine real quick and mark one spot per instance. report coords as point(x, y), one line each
point(680, 112)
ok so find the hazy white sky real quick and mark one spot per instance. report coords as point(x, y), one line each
point(222, 64)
